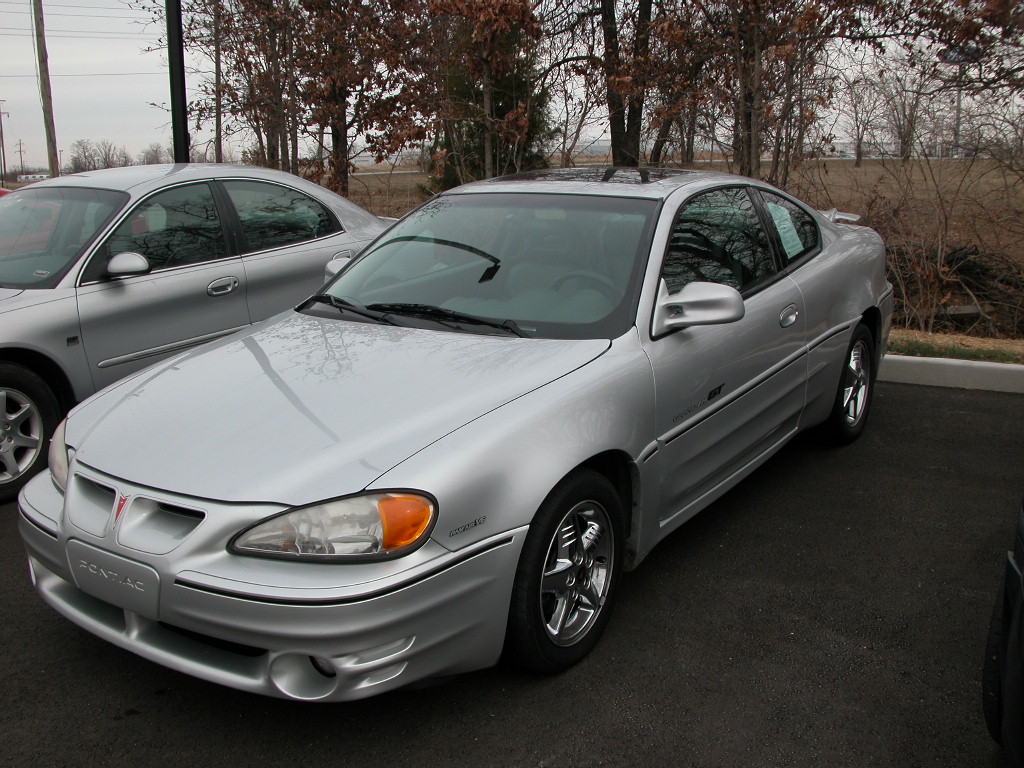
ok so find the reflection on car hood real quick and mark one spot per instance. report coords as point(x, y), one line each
point(300, 409)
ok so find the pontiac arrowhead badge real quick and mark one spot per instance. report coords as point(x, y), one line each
point(122, 502)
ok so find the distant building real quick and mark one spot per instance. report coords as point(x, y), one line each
point(27, 177)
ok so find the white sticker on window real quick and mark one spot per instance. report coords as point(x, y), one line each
point(786, 229)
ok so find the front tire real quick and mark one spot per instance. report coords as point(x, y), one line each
point(567, 575)
point(856, 387)
point(28, 415)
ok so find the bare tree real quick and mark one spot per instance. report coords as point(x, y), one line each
point(153, 154)
point(82, 156)
point(860, 103)
point(903, 84)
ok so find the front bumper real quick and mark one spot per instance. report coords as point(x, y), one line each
point(337, 632)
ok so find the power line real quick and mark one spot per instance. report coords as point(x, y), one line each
point(121, 7)
point(78, 15)
point(72, 34)
point(75, 31)
point(87, 74)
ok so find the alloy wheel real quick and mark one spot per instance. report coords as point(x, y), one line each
point(21, 434)
point(577, 573)
point(857, 384)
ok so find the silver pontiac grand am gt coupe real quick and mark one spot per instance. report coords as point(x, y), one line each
point(451, 454)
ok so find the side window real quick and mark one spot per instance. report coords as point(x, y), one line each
point(797, 230)
point(717, 237)
point(273, 216)
point(174, 228)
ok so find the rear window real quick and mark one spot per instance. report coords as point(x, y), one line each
point(273, 216)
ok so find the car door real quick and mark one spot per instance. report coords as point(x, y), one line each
point(288, 238)
point(726, 395)
point(824, 276)
point(194, 291)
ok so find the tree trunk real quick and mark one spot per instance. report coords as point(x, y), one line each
point(488, 106)
point(635, 112)
point(688, 132)
point(616, 104)
point(659, 143)
point(337, 178)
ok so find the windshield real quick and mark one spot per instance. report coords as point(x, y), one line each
point(44, 231)
point(548, 265)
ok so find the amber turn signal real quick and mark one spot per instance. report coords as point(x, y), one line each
point(404, 519)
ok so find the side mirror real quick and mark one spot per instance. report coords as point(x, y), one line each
point(126, 264)
point(337, 262)
point(695, 304)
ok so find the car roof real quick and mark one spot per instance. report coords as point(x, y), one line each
point(653, 183)
point(132, 177)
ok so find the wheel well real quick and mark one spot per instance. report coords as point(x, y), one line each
point(617, 467)
point(872, 318)
point(47, 370)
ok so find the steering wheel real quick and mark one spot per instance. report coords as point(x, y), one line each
point(601, 283)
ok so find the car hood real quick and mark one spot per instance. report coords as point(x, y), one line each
point(299, 409)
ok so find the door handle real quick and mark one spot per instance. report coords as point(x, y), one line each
point(788, 316)
point(222, 286)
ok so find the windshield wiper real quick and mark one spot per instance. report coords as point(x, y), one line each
point(488, 274)
point(348, 306)
point(431, 312)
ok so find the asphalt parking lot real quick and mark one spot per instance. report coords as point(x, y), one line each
point(831, 611)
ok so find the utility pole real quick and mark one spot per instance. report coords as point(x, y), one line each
point(3, 151)
point(176, 66)
point(961, 56)
point(44, 88)
point(218, 151)
point(21, 154)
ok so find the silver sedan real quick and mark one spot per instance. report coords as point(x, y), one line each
point(450, 455)
point(103, 273)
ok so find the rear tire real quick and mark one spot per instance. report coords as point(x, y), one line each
point(28, 415)
point(567, 575)
point(856, 387)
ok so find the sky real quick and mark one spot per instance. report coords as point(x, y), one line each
point(103, 82)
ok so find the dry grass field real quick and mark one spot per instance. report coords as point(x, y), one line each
point(388, 193)
point(954, 229)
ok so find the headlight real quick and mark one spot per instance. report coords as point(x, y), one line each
point(57, 457)
point(373, 526)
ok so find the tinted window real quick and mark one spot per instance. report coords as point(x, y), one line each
point(44, 231)
point(717, 237)
point(797, 231)
point(174, 228)
point(273, 216)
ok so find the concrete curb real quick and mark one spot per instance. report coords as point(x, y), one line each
point(959, 374)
